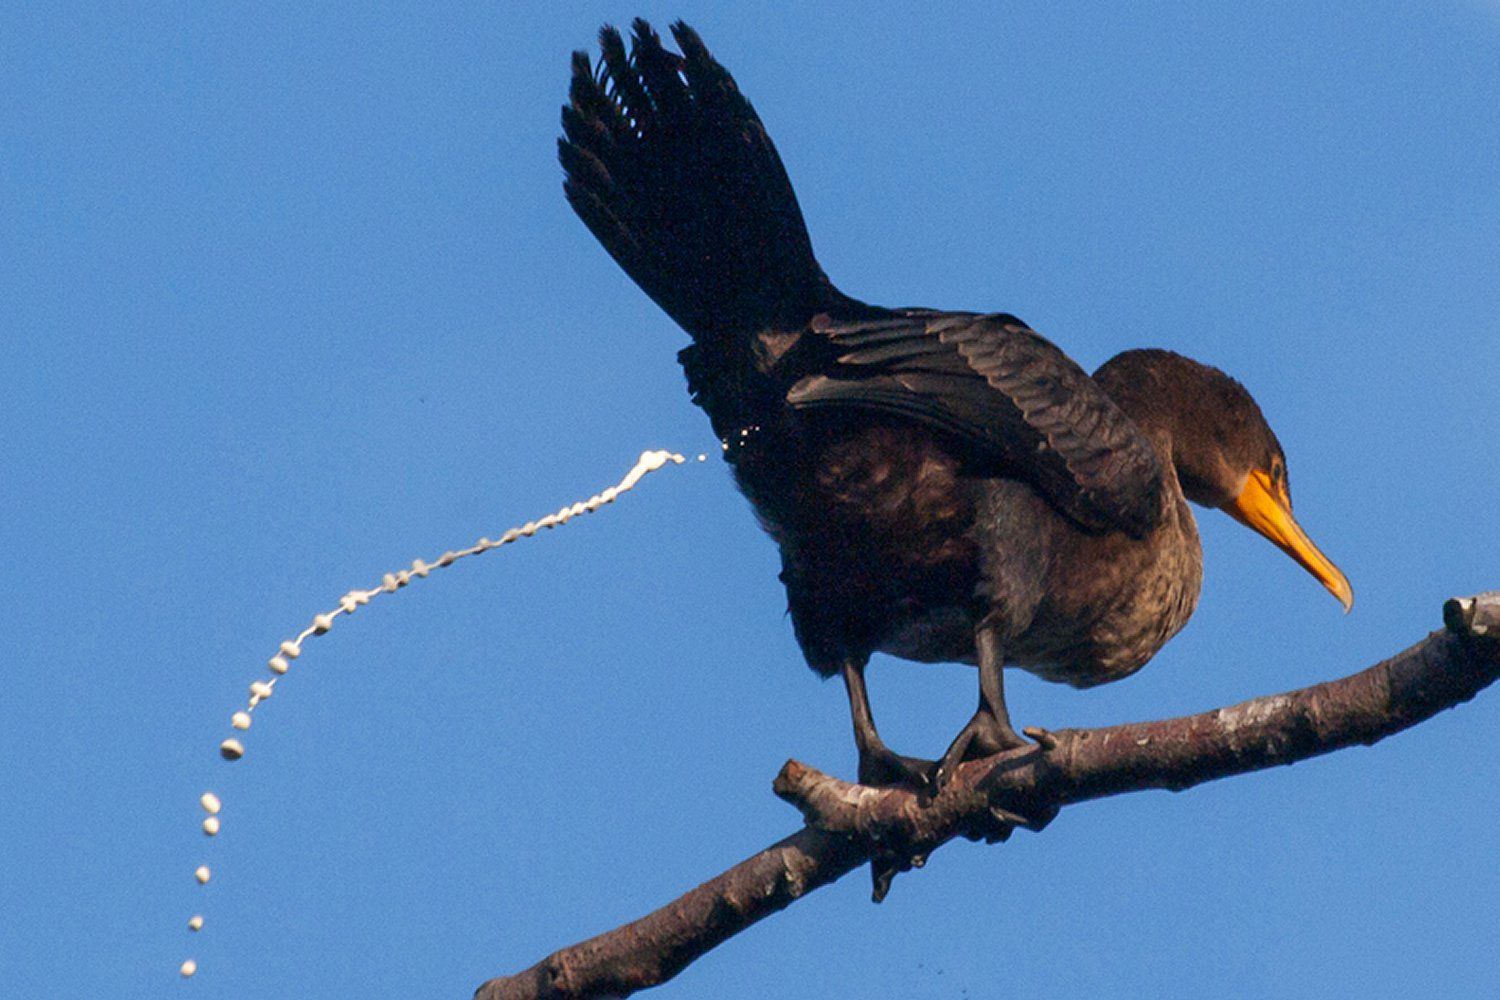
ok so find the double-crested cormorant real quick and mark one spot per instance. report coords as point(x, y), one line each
point(943, 486)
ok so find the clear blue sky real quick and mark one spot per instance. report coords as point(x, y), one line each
point(292, 297)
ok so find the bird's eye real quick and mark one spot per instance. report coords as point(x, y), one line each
point(1278, 479)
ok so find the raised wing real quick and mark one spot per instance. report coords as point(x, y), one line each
point(672, 170)
point(1005, 391)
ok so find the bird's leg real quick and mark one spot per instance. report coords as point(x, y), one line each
point(989, 731)
point(878, 764)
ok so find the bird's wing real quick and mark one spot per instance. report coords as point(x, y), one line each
point(672, 170)
point(1007, 393)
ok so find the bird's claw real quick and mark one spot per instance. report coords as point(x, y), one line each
point(885, 867)
point(1045, 739)
point(882, 873)
point(982, 736)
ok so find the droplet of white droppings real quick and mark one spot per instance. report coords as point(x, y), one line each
point(290, 650)
point(231, 750)
point(347, 604)
point(278, 665)
point(240, 720)
point(210, 803)
point(196, 923)
point(261, 689)
point(322, 623)
point(202, 874)
point(389, 582)
point(211, 825)
point(188, 968)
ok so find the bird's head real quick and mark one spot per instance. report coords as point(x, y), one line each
point(1224, 452)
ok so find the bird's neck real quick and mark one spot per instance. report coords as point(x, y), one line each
point(1138, 384)
point(1178, 404)
point(1177, 529)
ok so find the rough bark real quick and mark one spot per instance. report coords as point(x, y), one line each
point(848, 825)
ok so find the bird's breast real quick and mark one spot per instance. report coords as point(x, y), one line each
point(1111, 602)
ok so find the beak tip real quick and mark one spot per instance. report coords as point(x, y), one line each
point(1345, 594)
point(1268, 513)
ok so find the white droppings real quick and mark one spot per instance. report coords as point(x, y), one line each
point(290, 649)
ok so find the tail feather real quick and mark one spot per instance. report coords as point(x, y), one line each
point(672, 170)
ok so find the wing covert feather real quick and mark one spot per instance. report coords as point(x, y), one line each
point(1007, 392)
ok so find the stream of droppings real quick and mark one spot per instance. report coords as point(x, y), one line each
point(233, 749)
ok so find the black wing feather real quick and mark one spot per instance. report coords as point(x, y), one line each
point(673, 172)
point(1008, 393)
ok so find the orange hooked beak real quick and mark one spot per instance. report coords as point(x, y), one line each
point(1265, 508)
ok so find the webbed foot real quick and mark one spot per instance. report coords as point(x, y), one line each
point(982, 736)
point(882, 767)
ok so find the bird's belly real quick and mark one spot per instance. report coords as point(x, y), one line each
point(930, 635)
point(873, 524)
point(1109, 650)
point(1107, 627)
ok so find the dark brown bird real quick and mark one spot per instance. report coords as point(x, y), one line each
point(943, 486)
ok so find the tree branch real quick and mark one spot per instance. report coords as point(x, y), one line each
point(848, 825)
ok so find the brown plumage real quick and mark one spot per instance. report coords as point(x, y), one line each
point(942, 486)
